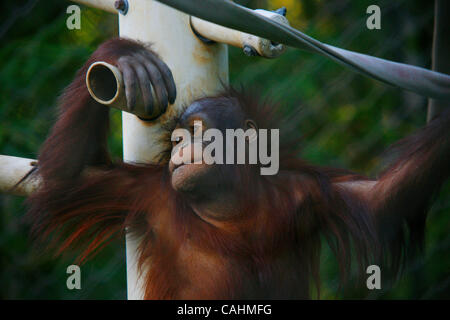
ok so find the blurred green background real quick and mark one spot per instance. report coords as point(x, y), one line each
point(347, 119)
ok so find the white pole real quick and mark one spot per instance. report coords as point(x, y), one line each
point(198, 70)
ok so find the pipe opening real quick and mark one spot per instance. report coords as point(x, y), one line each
point(102, 83)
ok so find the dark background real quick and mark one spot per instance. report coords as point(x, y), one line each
point(347, 119)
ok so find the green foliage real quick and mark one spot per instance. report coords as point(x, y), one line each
point(347, 121)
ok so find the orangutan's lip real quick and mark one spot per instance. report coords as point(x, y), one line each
point(177, 166)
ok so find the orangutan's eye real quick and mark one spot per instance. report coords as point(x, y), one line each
point(177, 140)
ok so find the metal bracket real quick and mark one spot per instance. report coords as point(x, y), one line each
point(121, 6)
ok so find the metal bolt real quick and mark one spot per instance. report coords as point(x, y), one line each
point(121, 6)
point(281, 11)
point(249, 51)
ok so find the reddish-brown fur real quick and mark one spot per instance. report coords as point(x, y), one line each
point(270, 249)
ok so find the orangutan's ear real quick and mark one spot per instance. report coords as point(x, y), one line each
point(250, 124)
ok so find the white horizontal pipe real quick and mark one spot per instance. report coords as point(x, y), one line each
point(12, 170)
point(105, 84)
point(263, 47)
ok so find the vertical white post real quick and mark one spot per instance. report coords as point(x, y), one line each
point(198, 70)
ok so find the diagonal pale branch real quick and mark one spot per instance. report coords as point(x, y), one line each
point(229, 14)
